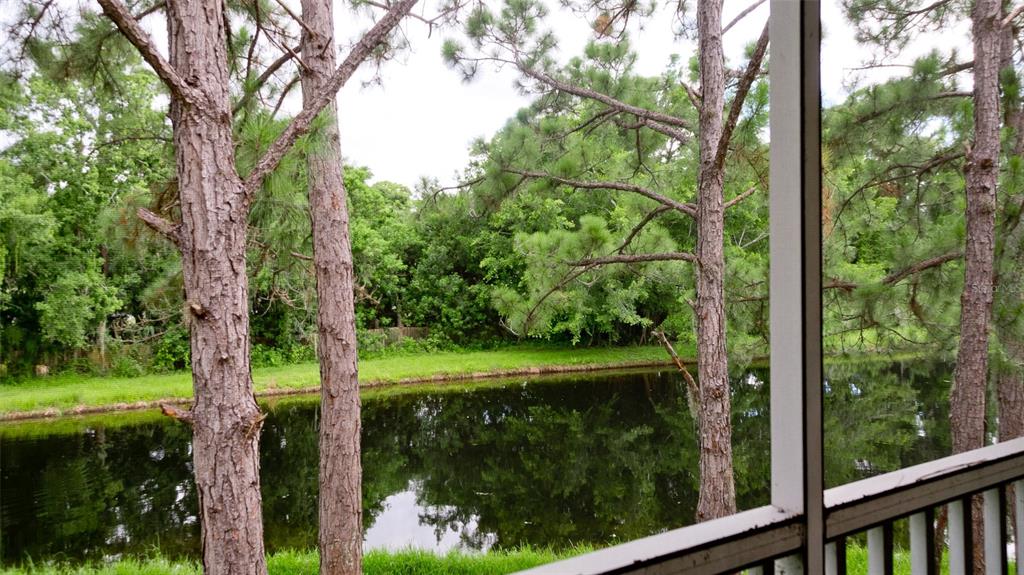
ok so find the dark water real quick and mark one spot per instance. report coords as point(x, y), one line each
point(540, 462)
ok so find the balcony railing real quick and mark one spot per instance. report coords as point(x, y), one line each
point(763, 539)
point(805, 529)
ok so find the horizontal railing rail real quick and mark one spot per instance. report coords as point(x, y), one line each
point(718, 546)
point(856, 506)
point(753, 539)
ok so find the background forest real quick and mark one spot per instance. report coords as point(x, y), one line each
point(522, 247)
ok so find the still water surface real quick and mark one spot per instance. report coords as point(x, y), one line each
point(542, 462)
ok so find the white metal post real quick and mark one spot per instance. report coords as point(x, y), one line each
point(795, 280)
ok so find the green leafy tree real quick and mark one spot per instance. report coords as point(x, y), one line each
point(602, 132)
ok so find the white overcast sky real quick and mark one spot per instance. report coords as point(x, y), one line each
point(419, 121)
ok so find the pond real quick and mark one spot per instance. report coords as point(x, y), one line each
point(544, 462)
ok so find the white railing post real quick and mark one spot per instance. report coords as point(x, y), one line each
point(922, 543)
point(795, 275)
point(959, 543)
point(1018, 511)
point(995, 533)
point(831, 559)
point(880, 550)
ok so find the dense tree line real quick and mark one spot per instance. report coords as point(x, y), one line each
point(615, 208)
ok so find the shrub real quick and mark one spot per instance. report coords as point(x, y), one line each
point(173, 351)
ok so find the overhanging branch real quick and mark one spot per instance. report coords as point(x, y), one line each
point(899, 275)
point(746, 81)
point(302, 123)
point(655, 118)
point(263, 78)
point(740, 197)
point(130, 27)
point(637, 259)
point(688, 209)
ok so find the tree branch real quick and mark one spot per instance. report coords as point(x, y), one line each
point(284, 94)
point(1012, 15)
point(643, 113)
point(920, 266)
point(746, 81)
point(899, 275)
point(530, 315)
point(161, 226)
point(263, 78)
point(430, 22)
point(304, 121)
point(184, 416)
point(294, 16)
point(130, 27)
point(740, 197)
point(688, 209)
point(741, 15)
point(693, 397)
point(939, 96)
point(641, 225)
point(637, 258)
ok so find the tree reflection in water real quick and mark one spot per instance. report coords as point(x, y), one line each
point(553, 462)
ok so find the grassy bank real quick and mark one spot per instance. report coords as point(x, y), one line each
point(68, 393)
point(407, 563)
point(306, 562)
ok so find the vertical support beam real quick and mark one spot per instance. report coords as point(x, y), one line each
point(995, 532)
point(795, 283)
point(922, 543)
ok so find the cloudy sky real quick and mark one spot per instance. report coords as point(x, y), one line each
point(420, 119)
point(420, 122)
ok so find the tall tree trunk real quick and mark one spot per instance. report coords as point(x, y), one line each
point(717, 491)
point(340, 538)
point(214, 208)
point(1009, 288)
point(226, 419)
point(967, 404)
point(1010, 386)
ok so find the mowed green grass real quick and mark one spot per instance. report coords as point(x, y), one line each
point(409, 562)
point(63, 392)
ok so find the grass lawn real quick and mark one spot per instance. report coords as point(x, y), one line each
point(409, 562)
point(63, 392)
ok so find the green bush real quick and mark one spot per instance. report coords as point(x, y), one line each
point(81, 366)
point(173, 352)
point(127, 366)
point(266, 356)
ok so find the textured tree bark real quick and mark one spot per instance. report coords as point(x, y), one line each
point(967, 404)
point(340, 537)
point(212, 238)
point(226, 419)
point(717, 491)
point(1009, 289)
point(1010, 386)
